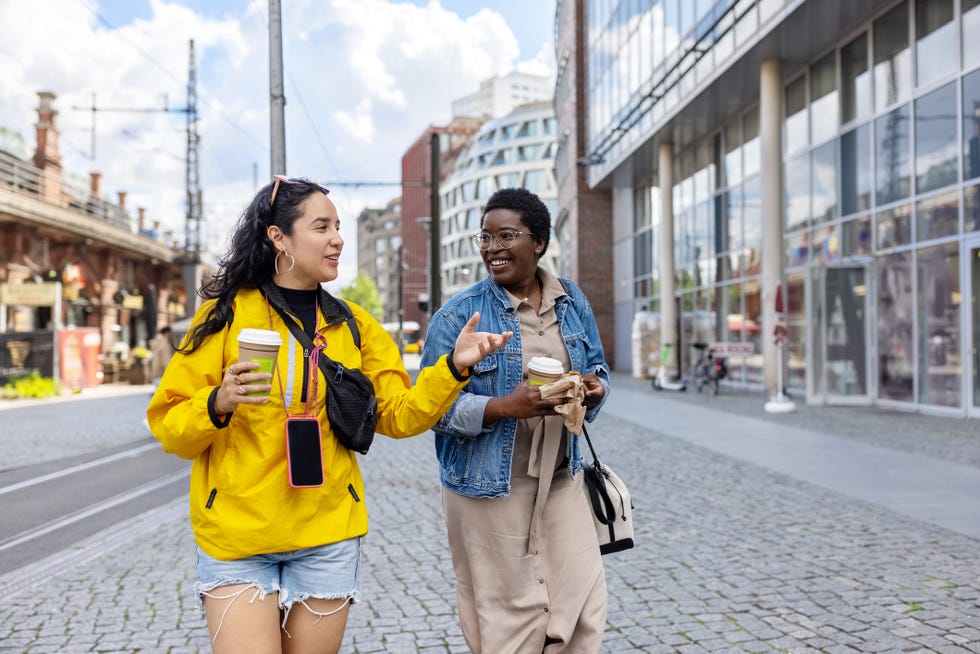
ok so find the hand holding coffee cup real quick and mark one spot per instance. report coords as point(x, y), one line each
point(248, 381)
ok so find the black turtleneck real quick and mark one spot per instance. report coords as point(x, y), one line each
point(302, 304)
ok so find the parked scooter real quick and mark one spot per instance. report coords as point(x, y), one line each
point(708, 369)
point(662, 381)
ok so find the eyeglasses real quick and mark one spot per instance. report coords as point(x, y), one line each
point(275, 187)
point(505, 239)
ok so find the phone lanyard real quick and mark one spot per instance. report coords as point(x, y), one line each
point(313, 361)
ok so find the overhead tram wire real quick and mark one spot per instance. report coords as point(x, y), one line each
point(183, 83)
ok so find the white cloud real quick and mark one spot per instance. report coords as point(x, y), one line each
point(358, 124)
point(363, 79)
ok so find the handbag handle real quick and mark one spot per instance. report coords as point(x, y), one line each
point(602, 504)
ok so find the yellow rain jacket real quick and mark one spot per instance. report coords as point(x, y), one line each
point(241, 503)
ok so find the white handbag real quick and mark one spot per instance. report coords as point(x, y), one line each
point(612, 507)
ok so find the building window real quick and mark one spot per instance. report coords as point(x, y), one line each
point(940, 370)
point(796, 135)
point(796, 192)
point(937, 216)
point(823, 99)
point(935, 139)
point(971, 125)
point(894, 227)
point(971, 27)
point(856, 92)
point(824, 182)
point(935, 34)
point(855, 161)
point(895, 320)
point(892, 156)
point(893, 60)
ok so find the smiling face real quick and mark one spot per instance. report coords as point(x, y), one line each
point(513, 268)
point(315, 244)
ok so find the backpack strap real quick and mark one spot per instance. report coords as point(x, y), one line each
point(351, 323)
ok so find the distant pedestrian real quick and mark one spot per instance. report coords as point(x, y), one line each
point(162, 348)
point(278, 565)
point(529, 575)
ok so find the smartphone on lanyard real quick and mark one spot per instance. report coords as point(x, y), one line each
point(304, 452)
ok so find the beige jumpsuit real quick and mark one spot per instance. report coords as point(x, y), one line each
point(529, 576)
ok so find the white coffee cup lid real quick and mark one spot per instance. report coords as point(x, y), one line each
point(546, 365)
point(260, 336)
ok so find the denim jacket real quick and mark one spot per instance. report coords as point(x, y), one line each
point(475, 460)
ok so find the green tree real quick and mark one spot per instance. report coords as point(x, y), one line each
point(363, 291)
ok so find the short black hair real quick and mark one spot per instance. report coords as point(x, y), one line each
point(534, 213)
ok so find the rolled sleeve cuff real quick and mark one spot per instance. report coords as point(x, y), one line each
point(216, 419)
point(467, 416)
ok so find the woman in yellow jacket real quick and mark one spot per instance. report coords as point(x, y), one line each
point(263, 544)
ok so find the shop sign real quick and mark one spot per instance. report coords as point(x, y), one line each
point(732, 349)
point(29, 295)
point(133, 302)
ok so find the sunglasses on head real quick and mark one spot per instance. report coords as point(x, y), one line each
point(277, 179)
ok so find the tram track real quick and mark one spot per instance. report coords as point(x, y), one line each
point(48, 508)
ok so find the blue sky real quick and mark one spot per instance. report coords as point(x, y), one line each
point(363, 79)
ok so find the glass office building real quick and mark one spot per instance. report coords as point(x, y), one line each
point(515, 150)
point(813, 165)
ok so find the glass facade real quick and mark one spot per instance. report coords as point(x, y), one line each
point(881, 196)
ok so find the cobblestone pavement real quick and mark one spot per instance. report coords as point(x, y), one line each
point(731, 557)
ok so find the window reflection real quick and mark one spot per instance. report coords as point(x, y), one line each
point(935, 139)
point(971, 123)
point(856, 237)
point(796, 130)
point(971, 209)
point(892, 156)
point(796, 192)
point(937, 216)
point(892, 58)
point(939, 325)
point(855, 161)
point(895, 315)
point(824, 182)
point(936, 38)
point(823, 99)
point(970, 20)
point(856, 80)
point(894, 227)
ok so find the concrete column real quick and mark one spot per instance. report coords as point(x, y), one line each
point(771, 143)
point(668, 311)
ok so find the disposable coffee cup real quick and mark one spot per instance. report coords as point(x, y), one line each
point(544, 370)
point(261, 346)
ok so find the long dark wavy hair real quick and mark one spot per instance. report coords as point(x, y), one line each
point(250, 259)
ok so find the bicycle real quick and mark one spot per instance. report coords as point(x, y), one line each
point(708, 369)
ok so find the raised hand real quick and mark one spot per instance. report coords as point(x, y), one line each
point(473, 346)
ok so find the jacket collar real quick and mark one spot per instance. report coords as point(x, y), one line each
point(334, 311)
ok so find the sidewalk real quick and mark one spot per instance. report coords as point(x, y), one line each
point(925, 467)
point(828, 530)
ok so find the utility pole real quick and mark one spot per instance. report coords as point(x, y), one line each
point(277, 98)
point(193, 214)
point(435, 227)
point(401, 305)
point(192, 222)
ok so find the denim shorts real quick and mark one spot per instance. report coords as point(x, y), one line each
point(330, 571)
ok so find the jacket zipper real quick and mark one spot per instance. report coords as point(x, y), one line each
point(306, 374)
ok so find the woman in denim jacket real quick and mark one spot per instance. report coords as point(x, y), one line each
point(529, 576)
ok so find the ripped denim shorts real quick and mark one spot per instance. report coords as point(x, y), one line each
point(331, 571)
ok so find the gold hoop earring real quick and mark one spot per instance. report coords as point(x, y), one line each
point(292, 261)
